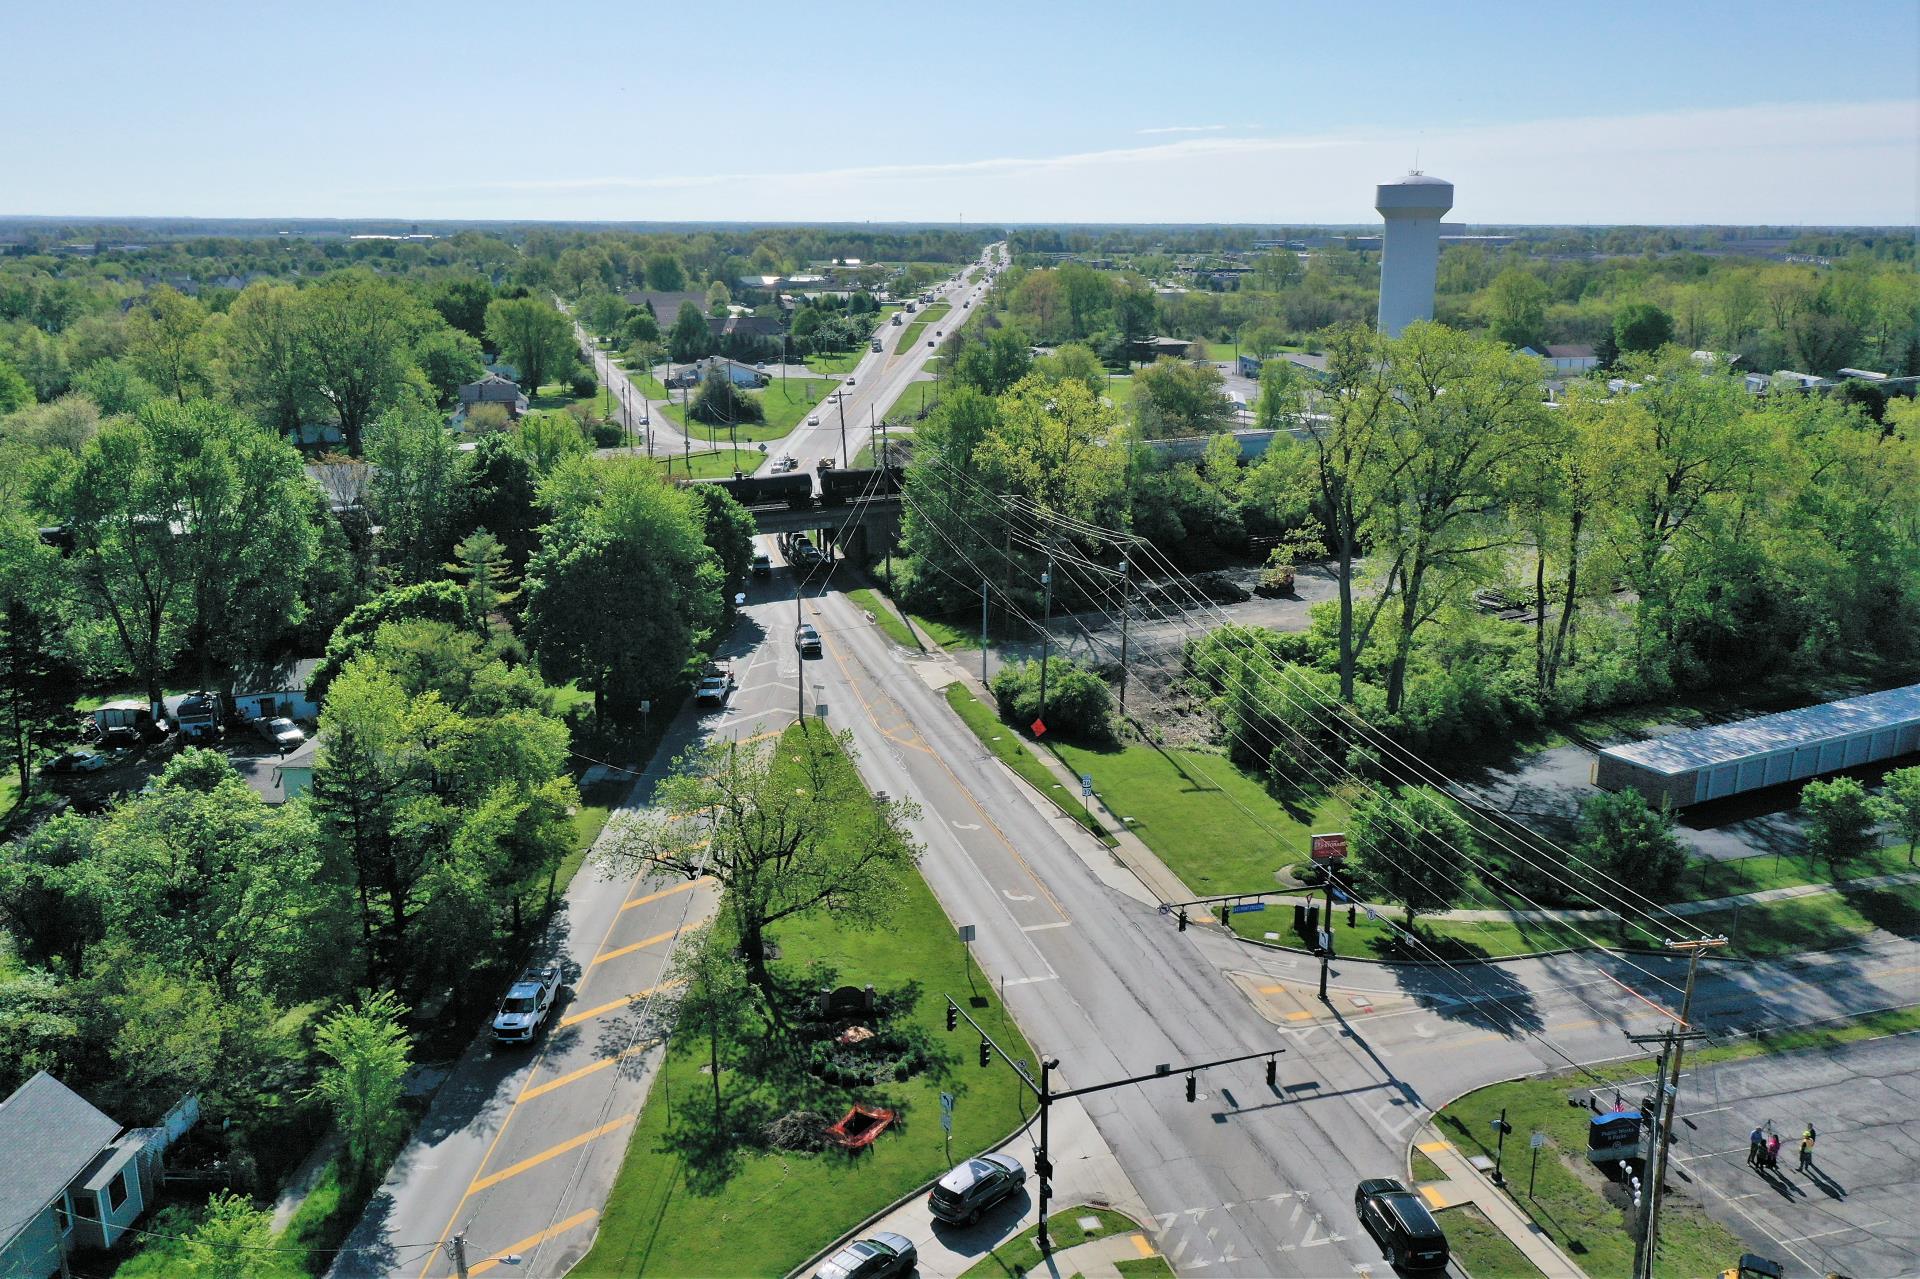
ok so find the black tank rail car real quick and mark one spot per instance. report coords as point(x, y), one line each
point(795, 489)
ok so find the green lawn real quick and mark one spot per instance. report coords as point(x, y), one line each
point(1481, 1249)
point(1154, 1267)
point(836, 365)
point(885, 616)
point(948, 633)
point(1451, 940)
point(680, 1209)
point(1219, 829)
point(1424, 1169)
point(1120, 391)
point(913, 397)
point(1019, 1256)
point(709, 464)
point(1567, 1202)
point(1706, 878)
point(1007, 746)
point(1782, 928)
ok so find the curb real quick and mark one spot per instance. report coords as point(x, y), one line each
point(860, 1229)
point(1503, 959)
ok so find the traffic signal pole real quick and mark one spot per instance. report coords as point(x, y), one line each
point(1043, 1091)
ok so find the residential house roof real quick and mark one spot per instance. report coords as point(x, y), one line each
point(61, 1131)
point(755, 326)
point(1564, 352)
point(666, 306)
point(491, 388)
point(288, 675)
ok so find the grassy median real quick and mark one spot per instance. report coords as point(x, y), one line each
point(682, 1207)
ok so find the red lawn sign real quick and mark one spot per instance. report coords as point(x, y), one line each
point(1038, 726)
point(1329, 848)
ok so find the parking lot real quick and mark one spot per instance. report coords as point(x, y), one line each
point(1852, 1214)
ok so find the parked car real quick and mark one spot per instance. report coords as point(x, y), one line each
point(526, 1006)
point(714, 686)
point(280, 733)
point(1400, 1223)
point(807, 640)
point(881, 1257)
point(762, 565)
point(975, 1186)
point(77, 762)
point(120, 736)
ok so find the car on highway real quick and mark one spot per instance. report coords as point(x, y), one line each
point(784, 463)
point(280, 733)
point(874, 346)
point(715, 683)
point(526, 1005)
point(975, 1186)
point(881, 1257)
point(814, 420)
point(849, 382)
point(929, 341)
point(806, 640)
point(1400, 1223)
point(762, 565)
point(77, 762)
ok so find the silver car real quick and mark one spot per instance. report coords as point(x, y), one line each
point(881, 1257)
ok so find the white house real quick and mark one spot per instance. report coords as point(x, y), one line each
point(278, 689)
point(296, 769)
point(1571, 359)
point(70, 1177)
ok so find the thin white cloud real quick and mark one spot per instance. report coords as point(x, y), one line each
point(1794, 163)
point(1186, 128)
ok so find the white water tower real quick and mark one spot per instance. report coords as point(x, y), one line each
point(1410, 253)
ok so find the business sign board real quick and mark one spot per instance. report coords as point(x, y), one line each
point(1329, 848)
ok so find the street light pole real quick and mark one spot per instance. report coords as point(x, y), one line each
point(1126, 583)
point(1046, 634)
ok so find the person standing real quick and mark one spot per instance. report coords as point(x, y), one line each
point(1806, 1149)
point(1772, 1155)
point(1756, 1144)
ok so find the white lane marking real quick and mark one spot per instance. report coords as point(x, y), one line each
point(1028, 981)
point(966, 826)
point(1841, 1231)
point(1037, 928)
point(1016, 897)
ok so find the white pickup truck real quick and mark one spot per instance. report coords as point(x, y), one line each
point(526, 1006)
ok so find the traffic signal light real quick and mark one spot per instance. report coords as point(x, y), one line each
point(986, 1053)
point(1273, 1072)
point(1193, 1089)
point(953, 1016)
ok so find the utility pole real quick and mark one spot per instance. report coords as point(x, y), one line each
point(1126, 583)
point(459, 1245)
point(799, 657)
point(1665, 1101)
point(1046, 633)
point(841, 399)
point(983, 629)
point(1325, 944)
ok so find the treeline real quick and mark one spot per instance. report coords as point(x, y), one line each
point(1678, 536)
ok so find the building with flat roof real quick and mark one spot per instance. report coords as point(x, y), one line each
point(1792, 746)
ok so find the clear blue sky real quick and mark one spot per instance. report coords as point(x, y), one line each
point(1036, 111)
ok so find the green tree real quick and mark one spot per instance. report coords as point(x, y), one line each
point(991, 364)
point(1902, 805)
point(448, 359)
point(37, 684)
point(263, 355)
point(1173, 399)
point(532, 336)
point(1641, 327)
point(1263, 340)
point(785, 828)
point(720, 403)
point(357, 332)
point(414, 492)
point(167, 342)
point(367, 1052)
point(716, 1000)
point(664, 274)
point(481, 559)
point(729, 531)
point(624, 589)
point(14, 391)
point(1628, 841)
point(438, 601)
point(548, 439)
point(1516, 305)
point(52, 895)
point(462, 302)
point(1282, 400)
point(497, 489)
point(1842, 822)
point(691, 337)
point(235, 1240)
point(1412, 846)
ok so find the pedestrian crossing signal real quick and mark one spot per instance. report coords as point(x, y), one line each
point(953, 1017)
point(986, 1053)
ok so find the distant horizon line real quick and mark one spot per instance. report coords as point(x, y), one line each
point(91, 219)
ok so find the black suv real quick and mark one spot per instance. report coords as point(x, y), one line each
point(1400, 1223)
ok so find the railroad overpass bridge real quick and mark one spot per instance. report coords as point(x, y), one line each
point(875, 517)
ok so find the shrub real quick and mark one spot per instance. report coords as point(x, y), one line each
point(719, 403)
point(582, 384)
point(1079, 705)
point(608, 435)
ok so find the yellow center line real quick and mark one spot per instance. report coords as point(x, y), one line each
point(1141, 1245)
point(625, 1001)
point(534, 1241)
point(667, 892)
point(551, 1152)
point(561, 1081)
point(654, 940)
point(507, 1118)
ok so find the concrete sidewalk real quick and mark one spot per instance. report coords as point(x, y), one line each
point(1465, 1184)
